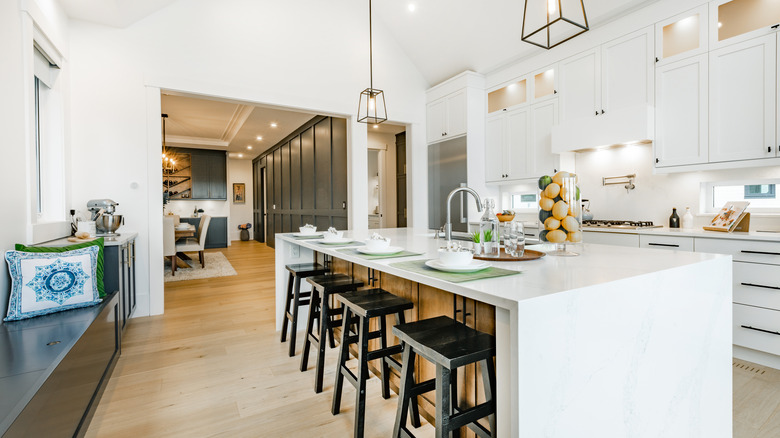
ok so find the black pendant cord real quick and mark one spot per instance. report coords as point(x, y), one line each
point(370, 49)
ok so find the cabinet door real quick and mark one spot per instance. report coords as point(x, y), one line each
point(217, 177)
point(580, 79)
point(681, 112)
point(541, 159)
point(742, 100)
point(435, 120)
point(627, 70)
point(516, 144)
point(200, 167)
point(216, 236)
point(494, 146)
point(456, 114)
point(681, 36)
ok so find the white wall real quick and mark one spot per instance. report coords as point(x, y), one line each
point(240, 171)
point(301, 55)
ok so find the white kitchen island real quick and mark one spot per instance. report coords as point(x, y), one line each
point(616, 342)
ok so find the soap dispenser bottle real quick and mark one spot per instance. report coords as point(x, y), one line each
point(674, 219)
point(687, 219)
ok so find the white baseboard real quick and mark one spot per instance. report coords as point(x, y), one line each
point(755, 356)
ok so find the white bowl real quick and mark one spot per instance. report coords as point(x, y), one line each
point(306, 230)
point(330, 236)
point(377, 245)
point(455, 258)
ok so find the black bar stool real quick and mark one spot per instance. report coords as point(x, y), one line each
point(359, 307)
point(295, 298)
point(322, 287)
point(449, 345)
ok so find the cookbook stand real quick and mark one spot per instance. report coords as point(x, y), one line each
point(742, 224)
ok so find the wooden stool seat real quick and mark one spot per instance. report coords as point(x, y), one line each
point(296, 298)
point(359, 307)
point(323, 286)
point(449, 345)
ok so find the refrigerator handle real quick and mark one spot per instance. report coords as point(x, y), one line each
point(463, 218)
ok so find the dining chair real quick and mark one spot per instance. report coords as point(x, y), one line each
point(199, 242)
point(169, 241)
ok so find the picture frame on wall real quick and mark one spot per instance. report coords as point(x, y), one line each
point(239, 193)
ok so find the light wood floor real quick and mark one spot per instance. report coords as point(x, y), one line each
point(213, 366)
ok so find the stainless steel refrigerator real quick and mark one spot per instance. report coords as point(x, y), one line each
point(447, 171)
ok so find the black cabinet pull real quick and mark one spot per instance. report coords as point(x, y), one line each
point(656, 59)
point(671, 245)
point(597, 113)
point(775, 26)
point(602, 111)
point(657, 160)
point(760, 252)
point(760, 330)
point(769, 148)
point(760, 285)
point(555, 91)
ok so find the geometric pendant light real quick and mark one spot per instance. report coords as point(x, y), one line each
point(371, 108)
point(553, 22)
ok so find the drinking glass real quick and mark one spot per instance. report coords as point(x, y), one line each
point(515, 242)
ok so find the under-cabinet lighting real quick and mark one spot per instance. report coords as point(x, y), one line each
point(274, 125)
point(240, 155)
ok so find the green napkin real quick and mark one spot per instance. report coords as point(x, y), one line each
point(419, 267)
point(357, 253)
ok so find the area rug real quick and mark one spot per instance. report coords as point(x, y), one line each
point(217, 265)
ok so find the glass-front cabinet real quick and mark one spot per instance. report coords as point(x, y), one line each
point(733, 21)
point(508, 96)
point(681, 36)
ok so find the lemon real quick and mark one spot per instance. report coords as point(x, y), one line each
point(546, 204)
point(558, 177)
point(560, 210)
point(570, 224)
point(574, 237)
point(552, 224)
point(556, 236)
point(574, 209)
point(552, 190)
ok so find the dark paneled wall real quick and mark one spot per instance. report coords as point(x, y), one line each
point(306, 177)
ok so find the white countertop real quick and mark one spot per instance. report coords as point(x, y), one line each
point(696, 232)
point(124, 237)
point(596, 264)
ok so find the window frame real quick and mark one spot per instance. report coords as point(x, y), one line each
point(708, 196)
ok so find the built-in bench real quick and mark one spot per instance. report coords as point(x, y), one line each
point(54, 368)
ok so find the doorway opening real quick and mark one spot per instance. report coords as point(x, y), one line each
point(386, 172)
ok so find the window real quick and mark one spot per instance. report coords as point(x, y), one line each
point(762, 195)
point(524, 201)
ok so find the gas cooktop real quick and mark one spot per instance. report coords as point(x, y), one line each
point(625, 225)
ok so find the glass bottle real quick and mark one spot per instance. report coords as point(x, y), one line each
point(488, 228)
point(674, 219)
point(687, 219)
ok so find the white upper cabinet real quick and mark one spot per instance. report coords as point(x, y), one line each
point(511, 95)
point(543, 116)
point(580, 78)
point(506, 152)
point(446, 117)
point(733, 21)
point(544, 83)
point(613, 76)
point(681, 36)
point(743, 94)
point(681, 112)
point(627, 70)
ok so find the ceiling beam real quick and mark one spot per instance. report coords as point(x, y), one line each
point(182, 140)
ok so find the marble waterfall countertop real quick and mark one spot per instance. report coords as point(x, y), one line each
point(614, 342)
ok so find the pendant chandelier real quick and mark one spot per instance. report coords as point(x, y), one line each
point(553, 22)
point(168, 157)
point(371, 108)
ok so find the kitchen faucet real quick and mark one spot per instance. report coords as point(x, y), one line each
point(448, 224)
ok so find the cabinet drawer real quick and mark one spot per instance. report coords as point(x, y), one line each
point(742, 250)
point(674, 243)
point(607, 238)
point(757, 328)
point(757, 285)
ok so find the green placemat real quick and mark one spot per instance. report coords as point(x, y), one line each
point(357, 253)
point(418, 266)
point(318, 236)
point(336, 245)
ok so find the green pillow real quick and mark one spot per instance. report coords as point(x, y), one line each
point(97, 242)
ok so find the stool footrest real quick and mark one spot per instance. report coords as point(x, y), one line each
point(422, 388)
point(384, 352)
point(470, 415)
point(394, 363)
point(349, 375)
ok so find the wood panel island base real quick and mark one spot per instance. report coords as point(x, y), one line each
point(617, 342)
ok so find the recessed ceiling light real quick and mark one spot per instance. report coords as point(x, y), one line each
point(240, 155)
point(720, 24)
point(273, 124)
point(249, 147)
point(259, 137)
point(412, 7)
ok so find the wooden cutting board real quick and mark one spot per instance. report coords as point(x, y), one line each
point(529, 254)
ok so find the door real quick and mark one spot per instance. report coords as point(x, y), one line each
point(516, 153)
point(742, 100)
point(580, 79)
point(494, 147)
point(627, 70)
point(681, 112)
point(400, 184)
point(258, 201)
point(200, 169)
point(541, 158)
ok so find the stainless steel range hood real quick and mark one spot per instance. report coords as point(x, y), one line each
point(634, 125)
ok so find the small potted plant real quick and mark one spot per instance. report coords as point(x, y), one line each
point(244, 231)
point(487, 242)
point(475, 240)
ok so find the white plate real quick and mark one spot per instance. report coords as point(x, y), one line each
point(474, 266)
point(387, 251)
point(339, 241)
point(308, 234)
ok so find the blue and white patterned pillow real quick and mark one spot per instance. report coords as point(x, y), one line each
point(43, 283)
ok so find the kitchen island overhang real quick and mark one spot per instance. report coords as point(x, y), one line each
point(616, 342)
